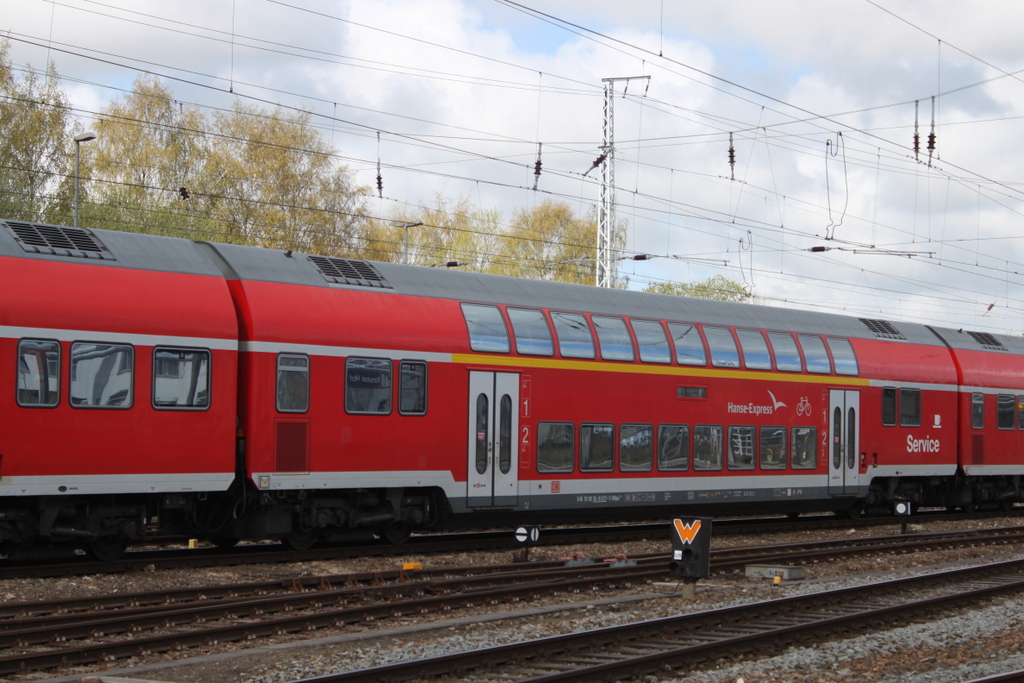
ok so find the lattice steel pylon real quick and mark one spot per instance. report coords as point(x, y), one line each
point(604, 271)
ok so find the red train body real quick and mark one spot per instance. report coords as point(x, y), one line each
point(232, 392)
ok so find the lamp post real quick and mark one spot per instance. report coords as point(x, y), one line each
point(79, 139)
point(405, 242)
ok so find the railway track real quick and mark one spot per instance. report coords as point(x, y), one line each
point(450, 542)
point(46, 635)
point(681, 644)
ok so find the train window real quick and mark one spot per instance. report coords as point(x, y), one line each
point(368, 386)
point(1020, 412)
point(889, 406)
point(815, 354)
point(483, 432)
point(723, 347)
point(533, 336)
point(505, 434)
point(741, 448)
point(292, 383)
point(636, 448)
point(843, 355)
point(101, 375)
point(673, 447)
point(616, 343)
point(978, 411)
point(597, 446)
point(787, 355)
point(574, 337)
point(755, 350)
point(910, 407)
point(556, 446)
point(1006, 411)
point(804, 453)
point(38, 373)
point(181, 378)
point(650, 337)
point(486, 328)
point(707, 447)
point(773, 448)
point(412, 388)
point(689, 347)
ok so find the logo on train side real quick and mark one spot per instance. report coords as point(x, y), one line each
point(754, 409)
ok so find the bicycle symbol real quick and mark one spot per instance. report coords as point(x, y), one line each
point(804, 407)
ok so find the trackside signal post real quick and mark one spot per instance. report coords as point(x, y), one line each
point(691, 552)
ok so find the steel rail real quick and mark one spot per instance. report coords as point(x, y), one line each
point(621, 652)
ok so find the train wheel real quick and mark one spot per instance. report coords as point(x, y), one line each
point(301, 540)
point(396, 533)
point(107, 548)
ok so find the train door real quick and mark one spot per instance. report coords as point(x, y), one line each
point(492, 478)
point(844, 440)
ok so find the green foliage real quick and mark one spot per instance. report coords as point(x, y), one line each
point(718, 287)
point(37, 154)
point(249, 176)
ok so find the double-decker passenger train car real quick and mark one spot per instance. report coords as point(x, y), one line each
point(230, 392)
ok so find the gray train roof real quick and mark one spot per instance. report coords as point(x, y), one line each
point(171, 254)
point(103, 248)
point(251, 263)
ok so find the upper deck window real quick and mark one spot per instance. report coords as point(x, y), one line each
point(487, 331)
point(755, 350)
point(574, 337)
point(38, 373)
point(815, 354)
point(181, 378)
point(533, 336)
point(101, 375)
point(616, 343)
point(842, 354)
point(787, 355)
point(650, 337)
point(723, 347)
point(689, 347)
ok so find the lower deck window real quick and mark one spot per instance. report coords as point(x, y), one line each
point(804, 453)
point(556, 446)
point(636, 448)
point(707, 447)
point(597, 447)
point(181, 378)
point(773, 448)
point(38, 373)
point(673, 448)
point(292, 383)
point(741, 448)
point(910, 407)
point(1006, 411)
point(101, 375)
point(368, 386)
point(412, 397)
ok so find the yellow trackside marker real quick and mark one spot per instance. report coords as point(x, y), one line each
point(687, 532)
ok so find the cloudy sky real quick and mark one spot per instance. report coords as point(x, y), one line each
point(452, 97)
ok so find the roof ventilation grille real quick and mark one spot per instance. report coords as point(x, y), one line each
point(56, 240)
point(882, 328)
point(988, 341)
point(349, 272)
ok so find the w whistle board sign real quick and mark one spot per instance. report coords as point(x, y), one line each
point(691, 548)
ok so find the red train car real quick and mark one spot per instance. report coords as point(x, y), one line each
point(235, 392)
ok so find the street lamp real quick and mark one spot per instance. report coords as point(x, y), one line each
point(79, 139)
point(405, 226)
